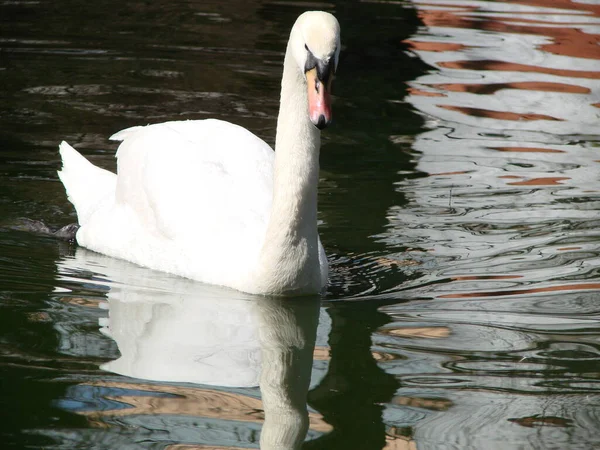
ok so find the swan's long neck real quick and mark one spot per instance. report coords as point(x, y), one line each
point(289, 261)
point(287, 330)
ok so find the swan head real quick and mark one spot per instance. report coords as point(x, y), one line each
point(315, 44)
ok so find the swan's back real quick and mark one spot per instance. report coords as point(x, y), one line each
point(193, 179)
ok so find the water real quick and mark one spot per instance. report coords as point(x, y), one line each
point(458, 204)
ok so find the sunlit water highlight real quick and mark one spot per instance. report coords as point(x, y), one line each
point(505, 219)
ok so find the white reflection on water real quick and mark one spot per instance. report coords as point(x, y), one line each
point(542, 68)
point(510, 200)
point(174, 330)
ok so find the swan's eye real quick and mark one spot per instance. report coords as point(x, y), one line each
point(311, 61)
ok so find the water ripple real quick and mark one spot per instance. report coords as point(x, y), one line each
point(502, 225)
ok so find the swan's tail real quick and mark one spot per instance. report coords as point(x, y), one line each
point(87, 186)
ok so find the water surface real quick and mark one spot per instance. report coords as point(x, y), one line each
point(458, 204)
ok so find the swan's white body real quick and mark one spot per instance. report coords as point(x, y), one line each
point(208, 200)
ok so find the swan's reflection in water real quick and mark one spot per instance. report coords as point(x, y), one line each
point(172, 330)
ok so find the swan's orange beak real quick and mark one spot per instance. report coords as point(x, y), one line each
point(319, 99)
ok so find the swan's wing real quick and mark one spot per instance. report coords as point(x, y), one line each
point(205, 183)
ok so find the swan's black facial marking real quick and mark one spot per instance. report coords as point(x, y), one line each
point(324, 69)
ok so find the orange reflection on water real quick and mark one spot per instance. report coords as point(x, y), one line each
point(506, 47)
point(454, 16)
point(433, 404)
point(545, 181)
point(421, 92)
point(492, 88)
point(323, 353)
point(499, 115)
point(399, 443)
point(383, 356)
point(485, 277)
point(568, 5)
point(566, 40)
point(540, 290)
point(418, 332)
point(526, 149)
point(486, 64)
point(434, 46)
point(191, 401)
point(542, 421)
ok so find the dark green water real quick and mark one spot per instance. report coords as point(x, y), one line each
point(459, 202)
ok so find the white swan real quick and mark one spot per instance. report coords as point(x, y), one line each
point(207, 199)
